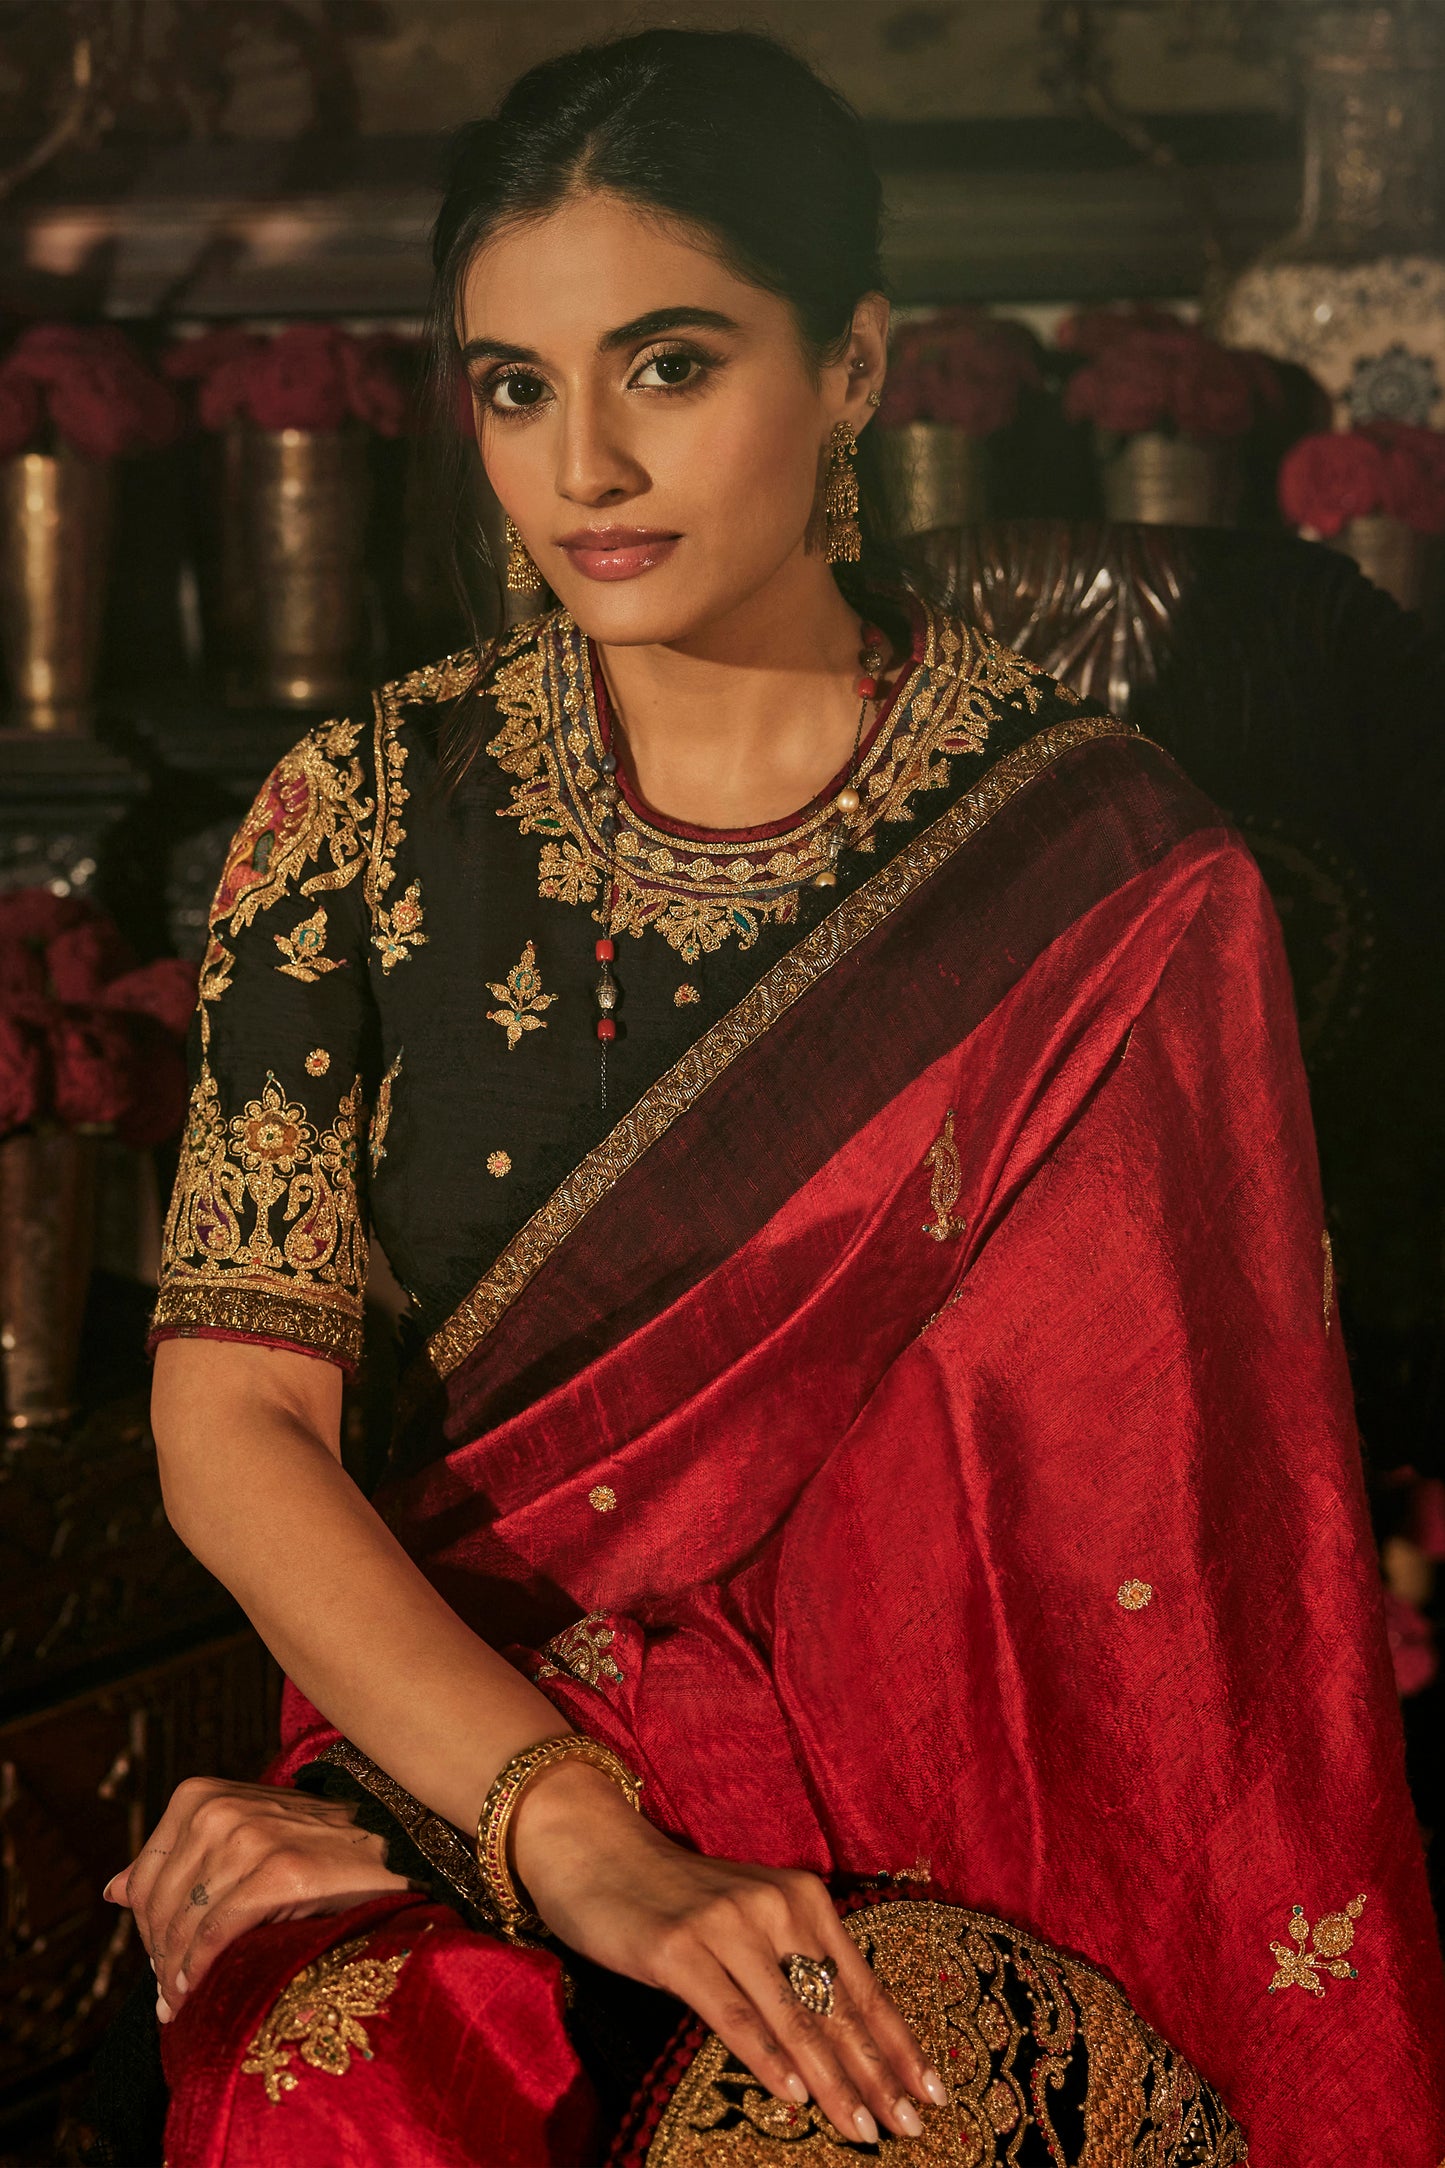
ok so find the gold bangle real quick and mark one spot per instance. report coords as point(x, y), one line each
point(495, 1819)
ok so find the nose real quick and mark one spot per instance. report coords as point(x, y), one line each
point(594, 464)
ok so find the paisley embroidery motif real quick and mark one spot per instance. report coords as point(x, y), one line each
point(699, 892)
point(947, 1181)
point(319, 2015)
point(304, 949)
point(1332, 1936)
point(522, 999)
point(312, 807)
point(381, 1117)
point(581, 1651)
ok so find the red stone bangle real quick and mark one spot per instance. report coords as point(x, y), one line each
point(512, 1915)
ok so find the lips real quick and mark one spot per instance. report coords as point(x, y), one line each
point(618, 553)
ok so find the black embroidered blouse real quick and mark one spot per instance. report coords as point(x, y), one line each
point(396, 1031)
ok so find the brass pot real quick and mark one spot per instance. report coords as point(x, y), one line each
point(1163, 481)
point(55, 525)
point(47, 1227)
point(937, 475)
point(1391, 554)
point(300, 498)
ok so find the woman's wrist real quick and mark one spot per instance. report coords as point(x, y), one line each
point(565, 1804)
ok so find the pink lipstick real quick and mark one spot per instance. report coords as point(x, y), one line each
point(618, 553)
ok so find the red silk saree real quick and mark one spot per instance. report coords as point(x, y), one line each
point(918, 1439)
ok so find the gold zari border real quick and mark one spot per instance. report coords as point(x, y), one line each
point(220, 1305)
point(857, 916)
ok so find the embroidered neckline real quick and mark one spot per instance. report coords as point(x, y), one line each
point(700, 891)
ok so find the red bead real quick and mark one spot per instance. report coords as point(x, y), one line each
point(605, 951)
point(606, 1027)
point(866, 688)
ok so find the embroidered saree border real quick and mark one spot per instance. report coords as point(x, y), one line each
point(227, 1304)
point(850, 923)
point(439, 1844)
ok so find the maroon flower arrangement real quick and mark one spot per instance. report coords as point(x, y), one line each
point(1327, 480)
point(86, 387)
point(1143, 369)
point(88, 1039)
point(309, 376)
point(962, 367)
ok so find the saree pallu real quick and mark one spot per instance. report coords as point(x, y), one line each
point(919, 1441)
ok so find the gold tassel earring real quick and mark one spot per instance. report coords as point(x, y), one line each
point(522, 575)
point(840, 498)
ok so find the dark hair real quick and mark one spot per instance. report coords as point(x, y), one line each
point(726, 131)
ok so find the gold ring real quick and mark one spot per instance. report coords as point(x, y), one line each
point(811, 1979)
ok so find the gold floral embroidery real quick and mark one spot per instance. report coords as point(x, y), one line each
point(313, 805)
point(319, 2015)
point(266, 1206)
point(686, 994)
point(499, 1163)
point(805, 964)
point(381, 1117)
point(216, 967)
point(602, 1497)
point(304, 949)
point(318, 1061)
point(1328, 1249)
point(947, 1181)
point(1333, 1935)
point(522, 999)
point(581, 1651)
point(400, 928)
point(699, 893)
point(1134, 1595)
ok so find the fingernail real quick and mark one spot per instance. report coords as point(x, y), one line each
point(794, 2087)
point(907, 2117)
point(182, 1982)
point(105, 1893)
point(932, 2084)
point(163, 2010)
point(865, 2126)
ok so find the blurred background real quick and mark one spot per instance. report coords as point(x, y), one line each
point(1166, 409)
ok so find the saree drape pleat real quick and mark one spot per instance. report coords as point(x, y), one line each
point(942, 1429)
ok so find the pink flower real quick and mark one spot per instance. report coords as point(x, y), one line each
point(20, 413)
point(165, 991)
point(1412, 1644)
point(97, 1078)
point(375, 390)
point(1327, 480)
point(297, 381)
point(83, 959)
point(22, 1071)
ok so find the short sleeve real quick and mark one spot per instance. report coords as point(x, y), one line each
point(266, 1237)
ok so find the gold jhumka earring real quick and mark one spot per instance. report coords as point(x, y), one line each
point(840, 498)
point(522, 575)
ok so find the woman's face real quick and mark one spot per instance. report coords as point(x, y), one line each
point(649, 420)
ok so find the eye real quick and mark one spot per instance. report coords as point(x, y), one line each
point(671, 371)
point(514, 392)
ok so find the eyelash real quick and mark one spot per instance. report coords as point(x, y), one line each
point(704, 365)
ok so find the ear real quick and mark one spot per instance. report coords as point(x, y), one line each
point(865, 363)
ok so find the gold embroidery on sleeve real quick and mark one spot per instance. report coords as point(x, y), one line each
point(319, 2014)
point(312, 807)
point(1333, 1935)
point(947, 1181)
point(381, 1119)
point(318, 1061)
point(400, 928)
point(304, 950)
point(1328, 1249)
point(522, 998)
point(581, 1651)
point(499, 1164)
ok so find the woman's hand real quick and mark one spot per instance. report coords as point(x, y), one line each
point(713, 1933)
point(224, 1857)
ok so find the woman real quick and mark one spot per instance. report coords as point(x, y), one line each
point(832, 1098)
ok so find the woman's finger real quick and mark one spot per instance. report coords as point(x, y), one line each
point(876, 2011)
point(840, 2065)
point(702, 1983)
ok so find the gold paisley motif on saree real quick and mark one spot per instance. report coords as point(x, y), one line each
point(265, 1231)
point(1010, 2022)
point(319, 2015)
point(581, 1650)
point(700, 892)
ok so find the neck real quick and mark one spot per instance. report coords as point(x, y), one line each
point(744, 721)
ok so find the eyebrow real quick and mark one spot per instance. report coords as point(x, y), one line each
point(641, 328)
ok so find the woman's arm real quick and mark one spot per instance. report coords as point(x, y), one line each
point(248, 1444)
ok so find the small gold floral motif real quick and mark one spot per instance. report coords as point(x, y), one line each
point(1333, 1935)
point(581, 1651)
point(303, 949)
point(522, 998)
point(381, 1116)
point(270, 1132)
point(686, 994)
point(947, 1181)
point(319, 2015)
point(1329, 1293)
point(603, 1497)
point(1133, 1595)
point(499, 1163)
point(400, 928)
point(318, 1061)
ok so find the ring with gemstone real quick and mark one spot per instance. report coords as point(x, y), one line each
point(811, 1979)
